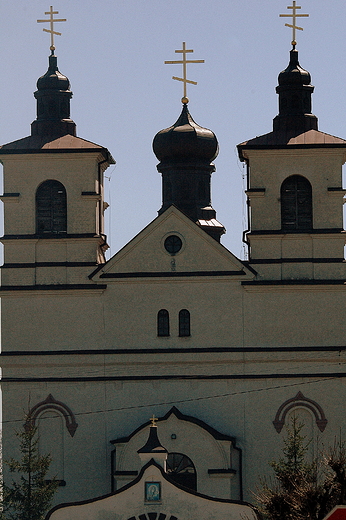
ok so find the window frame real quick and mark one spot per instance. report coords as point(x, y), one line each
point(163, 323)
point(51, 208)
point(178, 473)
point(296, 204)
point(184, 323)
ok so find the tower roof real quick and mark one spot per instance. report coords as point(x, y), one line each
point(153, 445)
point(53, 79)
point(294, 126)
point(53, 96)
point(295, 104)
point(46, 144)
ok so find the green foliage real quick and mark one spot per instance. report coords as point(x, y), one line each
point(29, 495)
point(303, 489)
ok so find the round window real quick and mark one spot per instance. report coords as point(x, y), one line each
point(173, 244)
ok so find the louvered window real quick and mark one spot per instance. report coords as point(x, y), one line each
point(51, 208)
point(296, 204)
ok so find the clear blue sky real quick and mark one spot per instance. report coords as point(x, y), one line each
point(113, 52)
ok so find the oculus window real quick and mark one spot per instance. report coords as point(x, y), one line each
point(173, 244)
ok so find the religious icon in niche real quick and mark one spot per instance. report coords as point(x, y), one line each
point(153, 491)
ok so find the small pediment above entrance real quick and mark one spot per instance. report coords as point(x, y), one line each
point(153, 496)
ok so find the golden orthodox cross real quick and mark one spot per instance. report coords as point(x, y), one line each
point(294, 16)
point(51, 20)
point(184, 62)
point(153, 420)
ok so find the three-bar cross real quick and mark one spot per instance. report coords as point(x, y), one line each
point(184, 62)
point(294, 16)
point(51, 20)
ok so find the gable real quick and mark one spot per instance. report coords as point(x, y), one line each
point(169, 501)
point(214, 456)
point(147, 253)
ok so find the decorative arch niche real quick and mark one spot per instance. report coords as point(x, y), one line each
point(300, 401)
point(52, 404)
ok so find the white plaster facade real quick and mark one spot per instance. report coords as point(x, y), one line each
point(80, 344)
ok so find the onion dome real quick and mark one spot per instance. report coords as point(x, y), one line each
point(295, 105)
point(53, 103)
point(294, 73)
point(186, 151)
point(185, 141)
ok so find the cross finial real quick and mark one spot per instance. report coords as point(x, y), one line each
point(154, 421)
point(184, 62)
point(294, 15)
point(51, 20)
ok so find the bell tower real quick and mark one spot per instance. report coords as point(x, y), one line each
point(53, 195)
point(294, 191)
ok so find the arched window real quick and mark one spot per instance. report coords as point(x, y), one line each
point(296, 204)
point(163, 323)
point(184, 323)
point(51, 208)
point(181, 469)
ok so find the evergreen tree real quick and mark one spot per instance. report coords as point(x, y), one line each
point(303, 489)
point(29, 495)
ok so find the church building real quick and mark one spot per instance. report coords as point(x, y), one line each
point(221, 350)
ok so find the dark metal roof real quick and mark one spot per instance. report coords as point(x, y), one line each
point(153, 444)
point(47, 144)
point(277, 139)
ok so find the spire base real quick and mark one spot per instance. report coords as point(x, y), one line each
point(53, 128)
point(295, 125)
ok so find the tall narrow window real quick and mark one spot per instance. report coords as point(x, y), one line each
point(51, 208)
point(163, 323)
point(296, 204)
point(184, 323)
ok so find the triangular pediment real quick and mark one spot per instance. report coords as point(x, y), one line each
point(147, 254)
